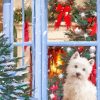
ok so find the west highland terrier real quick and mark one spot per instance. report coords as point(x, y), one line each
point(77, 86)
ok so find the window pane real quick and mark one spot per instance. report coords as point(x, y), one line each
point(63, 65)
point(18, 17)
point(27, 59)
point(72, 21)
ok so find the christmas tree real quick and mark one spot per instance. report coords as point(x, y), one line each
point(12, 78)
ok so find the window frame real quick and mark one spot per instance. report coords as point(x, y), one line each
point(40, 43)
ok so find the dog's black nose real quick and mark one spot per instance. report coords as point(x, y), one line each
point(78, 74)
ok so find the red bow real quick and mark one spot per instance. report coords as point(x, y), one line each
point(63, 13)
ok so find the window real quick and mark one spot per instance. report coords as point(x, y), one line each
point(49, 38)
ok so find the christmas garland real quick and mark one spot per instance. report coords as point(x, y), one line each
point(18, 15)
point(81, 22)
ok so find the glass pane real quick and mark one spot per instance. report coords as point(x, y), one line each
point(28, 63)
point(64, 63)
point(1, 24)
point(18, 21)
point(72, 20)
point(28, 20)
point(18, 53)
point(27, 59)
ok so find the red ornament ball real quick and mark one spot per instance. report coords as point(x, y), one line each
point(80, 49)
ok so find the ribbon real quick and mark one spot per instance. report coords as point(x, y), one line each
point(63, 14)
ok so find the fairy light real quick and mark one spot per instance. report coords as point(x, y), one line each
point(53, 67)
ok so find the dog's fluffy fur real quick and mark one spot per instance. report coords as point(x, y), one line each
point(77, 86)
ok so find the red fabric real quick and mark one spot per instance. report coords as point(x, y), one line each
point(92, 77)
point(63, 13)
point(26, 32)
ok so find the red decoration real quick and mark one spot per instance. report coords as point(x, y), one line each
point(93, 30)
point(91, 19)
point(27, 49)
point(80, 49)
point(55, 98)
point(26, 32)
point(93, 74)
point(54, 88)
point(63, 13)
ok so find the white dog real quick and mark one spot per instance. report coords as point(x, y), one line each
point(77, 86)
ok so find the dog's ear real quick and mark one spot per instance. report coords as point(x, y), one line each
point(75, 55)
point(91, 61)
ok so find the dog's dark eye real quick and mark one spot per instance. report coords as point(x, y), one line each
point(75, 66)
point(84, 69)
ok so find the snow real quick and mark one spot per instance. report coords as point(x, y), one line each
point(18, 91)
point(1, 87)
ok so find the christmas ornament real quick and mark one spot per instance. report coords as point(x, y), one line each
point(78, 30)
point(83, 15)
point(92, 49)
point(60, 76)
point(52, 96)
point(64, 13)
point(69, 49)
point(92, 55)
point(80, 49)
